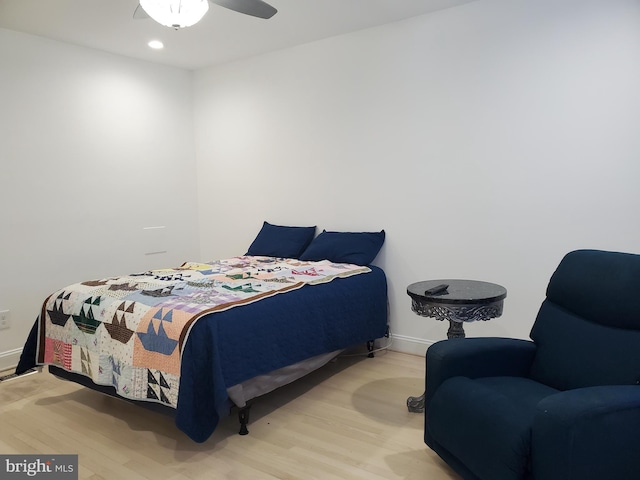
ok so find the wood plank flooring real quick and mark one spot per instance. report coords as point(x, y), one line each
point(346, 421)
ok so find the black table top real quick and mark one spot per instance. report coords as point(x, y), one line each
point(458, 292)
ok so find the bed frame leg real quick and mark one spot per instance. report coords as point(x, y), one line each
point(370, 348)
point(243, 417)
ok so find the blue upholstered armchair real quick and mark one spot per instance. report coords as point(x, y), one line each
point(563, 406)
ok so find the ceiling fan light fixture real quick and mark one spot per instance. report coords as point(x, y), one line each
point(176, 13)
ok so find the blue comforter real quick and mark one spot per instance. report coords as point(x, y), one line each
point(227, 348)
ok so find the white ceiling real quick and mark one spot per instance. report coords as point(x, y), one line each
point(223, 35)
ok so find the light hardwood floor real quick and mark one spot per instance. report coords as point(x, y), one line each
point(346, 421)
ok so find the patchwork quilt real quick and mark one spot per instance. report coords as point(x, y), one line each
point(129, 332)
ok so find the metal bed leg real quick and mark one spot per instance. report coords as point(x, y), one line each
point(370, 345)
point(243, 417)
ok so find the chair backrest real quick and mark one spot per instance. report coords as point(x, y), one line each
point(587, 331)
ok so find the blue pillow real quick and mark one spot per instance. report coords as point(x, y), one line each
point(359, 248)
point(281, 241)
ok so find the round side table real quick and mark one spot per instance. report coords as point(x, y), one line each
point(457, 301)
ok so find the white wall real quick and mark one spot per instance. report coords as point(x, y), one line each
point(93, 147)
point(487, 140)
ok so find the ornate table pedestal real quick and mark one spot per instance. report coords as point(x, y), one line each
point(462, 301)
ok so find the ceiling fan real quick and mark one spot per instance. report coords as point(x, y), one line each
point(184, 13)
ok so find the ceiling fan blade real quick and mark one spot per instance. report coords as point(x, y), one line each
point(256, 8)
point(139, 13)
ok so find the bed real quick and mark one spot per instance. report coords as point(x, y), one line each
point(219, 334)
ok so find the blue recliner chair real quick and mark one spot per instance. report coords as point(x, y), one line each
point(564, 406)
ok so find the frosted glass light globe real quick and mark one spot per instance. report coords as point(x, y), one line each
point(175, 13)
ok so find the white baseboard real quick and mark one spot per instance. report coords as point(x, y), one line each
point(412, 345)
point(9, 359)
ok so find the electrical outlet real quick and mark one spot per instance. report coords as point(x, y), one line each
point(5, 322)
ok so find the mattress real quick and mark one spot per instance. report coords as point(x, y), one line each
point(230, 356)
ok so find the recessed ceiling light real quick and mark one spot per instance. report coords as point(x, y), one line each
point(156, 44)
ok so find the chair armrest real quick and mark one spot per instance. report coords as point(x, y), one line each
point(476, 357)
point(588, 433)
